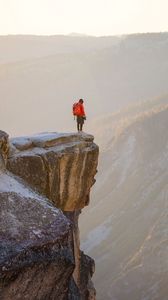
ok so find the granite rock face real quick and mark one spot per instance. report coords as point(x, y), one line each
point(60, 166)
point(40, 255)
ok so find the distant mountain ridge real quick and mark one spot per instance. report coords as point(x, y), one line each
point(108, 127)
point(126, 230)
point(53, 72)
point(25, 47)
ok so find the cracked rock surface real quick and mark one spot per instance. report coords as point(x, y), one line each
point(40, 255)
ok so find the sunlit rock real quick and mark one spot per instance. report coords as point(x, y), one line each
point(40, 256)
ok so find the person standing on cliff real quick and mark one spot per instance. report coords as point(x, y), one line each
point(79, 112)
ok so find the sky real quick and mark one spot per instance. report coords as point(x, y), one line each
point(92, 17)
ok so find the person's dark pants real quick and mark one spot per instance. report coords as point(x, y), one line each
point(80, 122)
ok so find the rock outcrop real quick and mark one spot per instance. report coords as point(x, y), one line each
point(45, 181)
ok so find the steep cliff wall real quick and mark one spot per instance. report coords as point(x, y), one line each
point(40, 255)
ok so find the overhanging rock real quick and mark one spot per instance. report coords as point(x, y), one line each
point(40, 256)
point(60, 166)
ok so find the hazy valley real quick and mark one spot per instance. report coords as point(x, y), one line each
point(40, 77)
point(126, 229)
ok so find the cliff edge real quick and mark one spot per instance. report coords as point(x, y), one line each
point(45, 181)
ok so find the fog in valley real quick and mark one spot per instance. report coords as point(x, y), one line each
point(125, 226)
point(41, 77)
point(123, 81)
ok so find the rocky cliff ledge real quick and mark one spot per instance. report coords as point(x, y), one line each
point(45, 181)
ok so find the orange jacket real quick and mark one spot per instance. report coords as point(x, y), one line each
point(81, 110)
